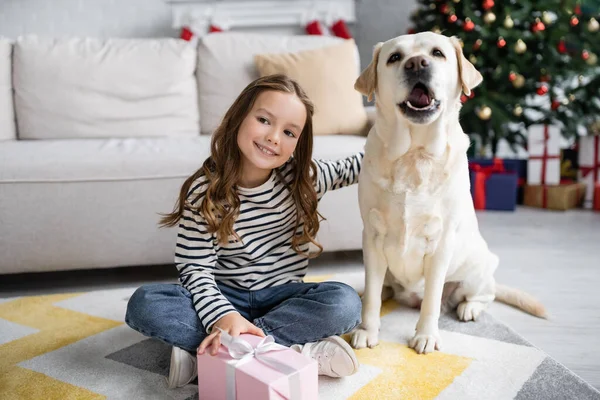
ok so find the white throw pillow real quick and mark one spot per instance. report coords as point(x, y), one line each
point(91, 88)
point(226, 66)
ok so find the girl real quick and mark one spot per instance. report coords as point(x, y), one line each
point(246, 219)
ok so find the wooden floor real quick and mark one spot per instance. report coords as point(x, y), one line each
point(553, 255)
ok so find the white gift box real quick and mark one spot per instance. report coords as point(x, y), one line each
point(589, 166)
point(543, 144)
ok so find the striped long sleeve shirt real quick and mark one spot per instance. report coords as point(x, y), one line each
point(264, 257)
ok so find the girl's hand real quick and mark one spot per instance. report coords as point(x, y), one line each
point(234, 324)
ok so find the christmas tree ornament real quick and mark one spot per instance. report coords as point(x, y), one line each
point(512, 76)
point(580, 79)
point(436, 29)
point(501, 42)
point(542, 90)
point(463, 98)
point(517, 111)
point(585, 54)
point(592, 59)
point(561, 47)
point(520, 47)
point(555, 104)
point(519, 81)
point(537, 26)
point(546, 17)
point(574, 21)
point(456, 1)
point(484, 113)
point(508, 22)
point(452, 18)
point(593, 25)
point(444, 8)
point(577, 9)
point(472, 94)
point(571, 97)
point(477, 44)
point(473, 59)
point(432, 6)
point(487, 4)
point(565, 102)
point(489, 17)
point(469, 25)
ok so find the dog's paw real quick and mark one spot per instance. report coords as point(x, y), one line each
point(425, 343)
point(470, 310)
point(362, 338)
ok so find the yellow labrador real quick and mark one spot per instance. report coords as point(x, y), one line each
point(421, 239)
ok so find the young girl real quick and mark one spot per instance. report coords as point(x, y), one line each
point(246, 219)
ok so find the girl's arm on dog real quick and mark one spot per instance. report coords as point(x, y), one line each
point(332, 175)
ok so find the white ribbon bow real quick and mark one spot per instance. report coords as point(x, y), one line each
point(242, 352)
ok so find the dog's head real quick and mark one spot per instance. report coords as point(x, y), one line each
point(418, 75)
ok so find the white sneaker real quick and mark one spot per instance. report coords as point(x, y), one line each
point(183, 369)
point(335, 357)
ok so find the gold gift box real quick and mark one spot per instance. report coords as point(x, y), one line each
point(557, 197)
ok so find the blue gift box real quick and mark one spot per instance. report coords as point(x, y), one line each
point(494, 183)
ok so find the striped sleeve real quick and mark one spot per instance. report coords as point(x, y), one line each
point(332, 175)
point(196, 256)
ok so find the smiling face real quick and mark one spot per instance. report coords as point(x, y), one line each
point(269, 134)
point(419, 75)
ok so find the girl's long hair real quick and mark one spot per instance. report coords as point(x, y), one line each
point(221, 204)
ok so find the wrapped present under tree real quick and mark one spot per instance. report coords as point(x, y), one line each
point(555, 197)
point(494, 183)
point(543, 144)
point(589, 166)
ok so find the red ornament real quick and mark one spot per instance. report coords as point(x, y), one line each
point(487, 4)
point(578, 9)
point(186, 34)
point(340, 29)
point(452, 18)
point(477, 44)
point(585, 54)
point(411, 31)
point(314, 28)
point(512, 76)
point(562, 47)
point(444, 8)
point(574, 21)
point(555, 104)
point(542, 90)
point(538, 26)
point(472, 94)
point(545, 78)
point(463, 98)
point(469, 25)
point(501, 42)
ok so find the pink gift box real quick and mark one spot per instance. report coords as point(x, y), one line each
point(254, 379)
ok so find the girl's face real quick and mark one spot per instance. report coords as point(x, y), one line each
point(268, 135)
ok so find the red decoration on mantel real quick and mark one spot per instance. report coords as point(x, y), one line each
point(314, 28)
point(340, 29)
point(214, 28)
point(186, 34)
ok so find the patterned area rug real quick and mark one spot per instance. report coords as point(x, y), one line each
point(76, 346)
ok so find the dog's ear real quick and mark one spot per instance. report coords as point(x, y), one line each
point(366, 83)
point(468, 75)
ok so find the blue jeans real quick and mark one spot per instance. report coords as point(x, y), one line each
point(293, 313)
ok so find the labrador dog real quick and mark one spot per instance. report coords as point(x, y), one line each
point(421, 241)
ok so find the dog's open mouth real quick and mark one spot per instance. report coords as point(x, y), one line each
point(420, 100)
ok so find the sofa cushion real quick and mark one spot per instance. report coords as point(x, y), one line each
point(327, 75)
point(7, 113)
point(226, 66)
point(90, 88)
point(79, 160)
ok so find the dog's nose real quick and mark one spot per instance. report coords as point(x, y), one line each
point(416, 63)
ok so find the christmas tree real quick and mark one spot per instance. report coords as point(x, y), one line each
point(531, 55)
